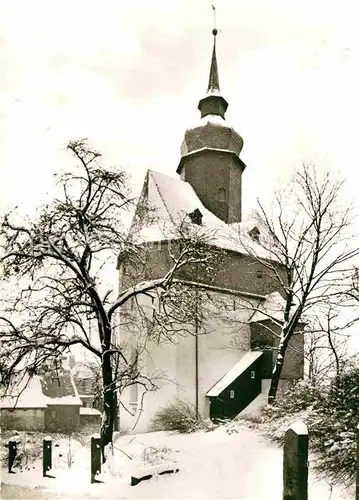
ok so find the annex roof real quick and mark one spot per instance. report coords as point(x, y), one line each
point(244, 363)
point(271, 308)
point(172, 200)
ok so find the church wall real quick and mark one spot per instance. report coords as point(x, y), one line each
point(157, 362)
point(220, 347)
point(244, 273)
point(235, 271)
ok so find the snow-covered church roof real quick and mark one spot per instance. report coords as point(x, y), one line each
point(172, 200)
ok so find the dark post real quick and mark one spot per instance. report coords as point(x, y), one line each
point(95, 457)
point(46, 455)
point(12, 444)
point(295, 463)
point(357, 464)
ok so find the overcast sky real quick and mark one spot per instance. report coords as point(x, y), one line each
point(128, 75)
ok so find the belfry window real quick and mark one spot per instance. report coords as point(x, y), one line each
point(221, 195)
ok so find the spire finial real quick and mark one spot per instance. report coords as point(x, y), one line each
point(213, 103)
point(213, 82)
point(214, 31)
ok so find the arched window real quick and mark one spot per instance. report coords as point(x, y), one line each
point(221, 194)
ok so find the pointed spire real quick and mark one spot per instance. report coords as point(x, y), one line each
point(213, 103)
point(213, 82)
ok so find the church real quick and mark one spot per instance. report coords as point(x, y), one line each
point(224, 367)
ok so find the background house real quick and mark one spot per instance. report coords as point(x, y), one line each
point(63, 403)
point(25, 410)
point(49, 403)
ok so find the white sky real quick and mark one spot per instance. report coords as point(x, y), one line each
point(128, 75)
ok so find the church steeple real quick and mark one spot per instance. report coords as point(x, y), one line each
point(213, 103)
point(210, 153)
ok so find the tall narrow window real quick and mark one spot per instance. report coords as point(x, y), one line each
point(221, 194)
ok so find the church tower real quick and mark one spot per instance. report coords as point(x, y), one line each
point(210, 152)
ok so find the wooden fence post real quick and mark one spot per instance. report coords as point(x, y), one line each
point(295, 463)
point(12, 445)
point(95, 457)
point(46, 455)
point(357, 464)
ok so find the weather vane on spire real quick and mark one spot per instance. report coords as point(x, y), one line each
point(214, 31)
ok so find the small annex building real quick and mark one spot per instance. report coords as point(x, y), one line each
point(223, 367)
point(50, 403)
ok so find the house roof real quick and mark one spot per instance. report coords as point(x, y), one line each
point(60, 389)
point(172, 200)
point(27, 396)
point(40, 392)
point(244, 363)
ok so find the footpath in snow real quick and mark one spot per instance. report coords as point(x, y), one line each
point(241, 465)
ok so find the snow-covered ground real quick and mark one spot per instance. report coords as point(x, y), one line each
point(240, 465)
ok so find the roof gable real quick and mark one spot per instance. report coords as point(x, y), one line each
point(172, 201)
point(245, 362)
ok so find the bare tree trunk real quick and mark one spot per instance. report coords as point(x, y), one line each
point(109, 404)
point(334, 351)
point(278, 367)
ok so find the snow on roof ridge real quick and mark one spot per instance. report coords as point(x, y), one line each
point(179, 181)
point(27, 395)
point(153, 175)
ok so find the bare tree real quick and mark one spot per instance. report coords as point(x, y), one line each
point(54, 266)
point(305, 242)
point(326, 349)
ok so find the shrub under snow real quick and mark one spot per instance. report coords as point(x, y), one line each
point(180, 416)
point(331, 414)
point(332, 425)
